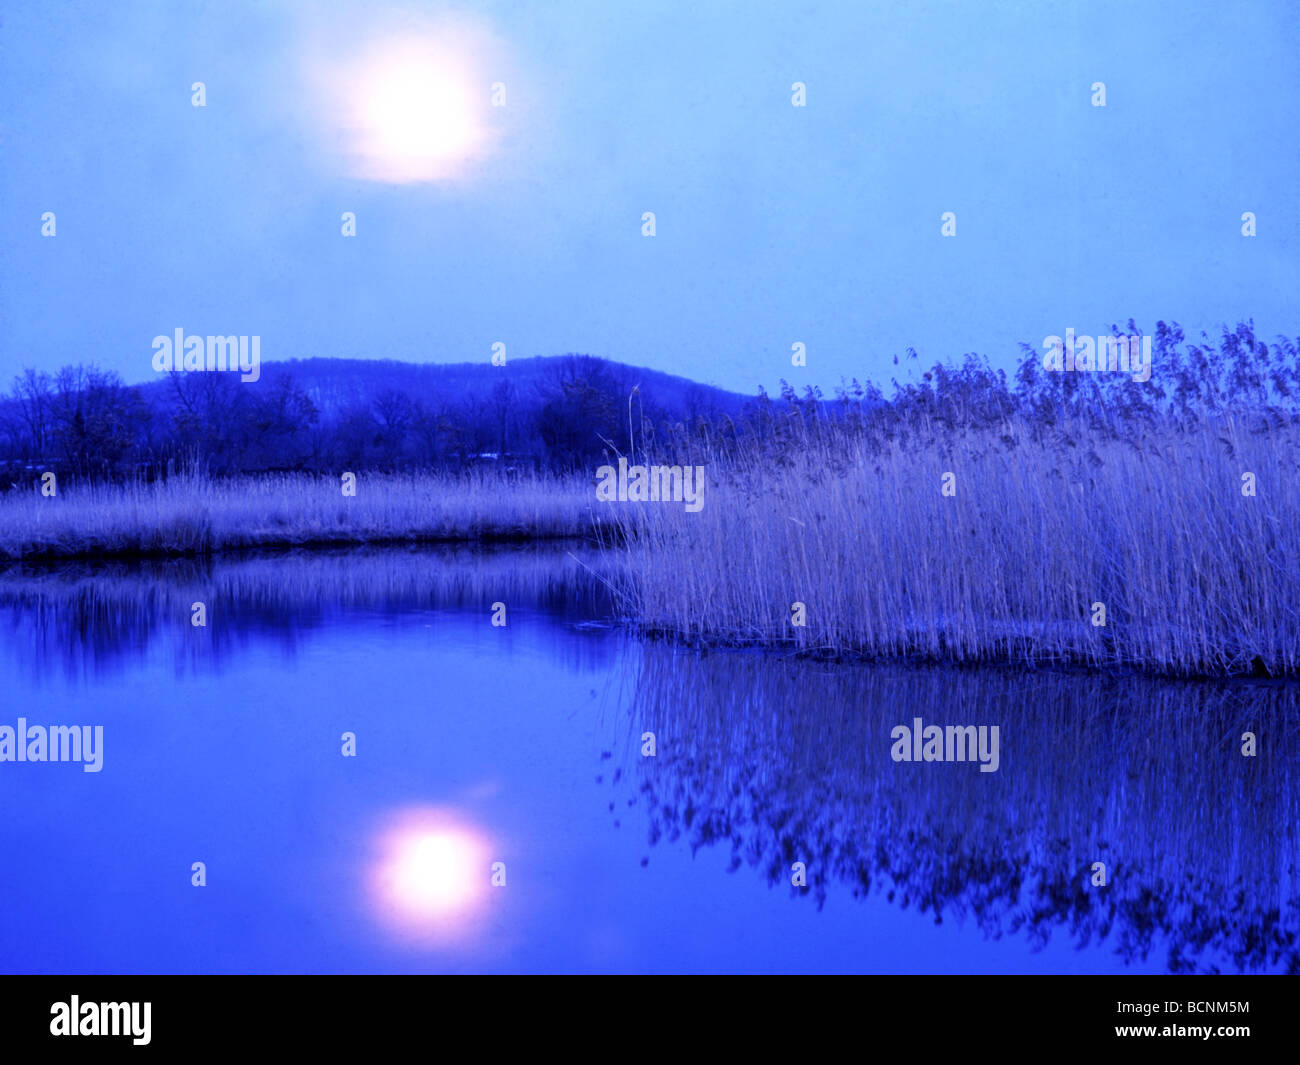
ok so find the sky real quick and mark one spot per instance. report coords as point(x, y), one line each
point(522, 224)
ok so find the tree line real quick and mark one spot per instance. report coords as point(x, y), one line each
point(578, 411)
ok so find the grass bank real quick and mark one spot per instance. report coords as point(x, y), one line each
point(194, 515)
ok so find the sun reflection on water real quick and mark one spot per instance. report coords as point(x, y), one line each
point(430, 880)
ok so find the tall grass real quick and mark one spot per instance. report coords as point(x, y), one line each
point(196, 515)
point(1195, 576)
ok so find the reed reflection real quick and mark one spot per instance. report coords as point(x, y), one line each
point(784, 760)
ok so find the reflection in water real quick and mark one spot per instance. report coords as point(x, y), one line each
point(99, 618)
point(776, 759)
point(786, 761)
point(429, 880)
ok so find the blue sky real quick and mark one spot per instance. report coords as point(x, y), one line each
point(774, 224)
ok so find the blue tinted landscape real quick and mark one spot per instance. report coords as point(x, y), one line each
point(652, 488)
point(222, 745)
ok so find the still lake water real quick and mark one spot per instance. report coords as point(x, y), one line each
point(522, 745)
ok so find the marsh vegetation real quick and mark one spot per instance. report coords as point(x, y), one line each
point(1053, 517)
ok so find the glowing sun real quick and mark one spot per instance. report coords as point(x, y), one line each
point(413, 109)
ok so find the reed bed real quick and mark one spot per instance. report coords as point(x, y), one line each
point(1196, 578)
point(197, 515)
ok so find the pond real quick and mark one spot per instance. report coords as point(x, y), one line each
point(350, 768)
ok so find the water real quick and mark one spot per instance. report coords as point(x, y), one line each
point(522, 745)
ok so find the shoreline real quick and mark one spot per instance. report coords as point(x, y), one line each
point(1077, 665)
point(192, 516)
point(502, 547)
